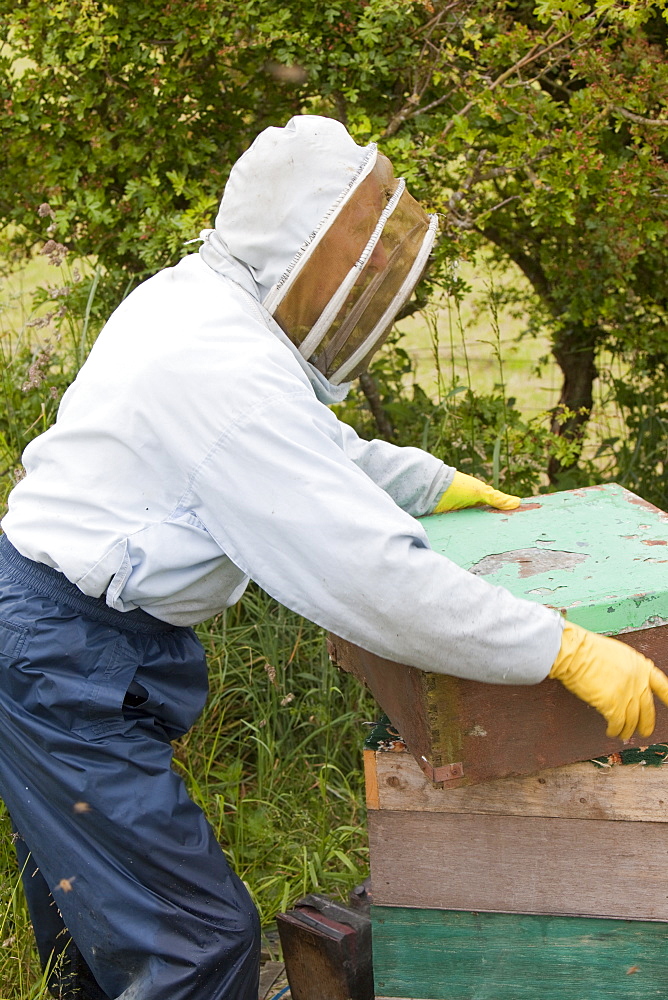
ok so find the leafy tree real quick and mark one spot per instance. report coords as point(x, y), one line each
point(562, 166)
point(537, 130)
point(125, 119)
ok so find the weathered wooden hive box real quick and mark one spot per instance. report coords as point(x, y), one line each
point(504, 863)
point(599, 555)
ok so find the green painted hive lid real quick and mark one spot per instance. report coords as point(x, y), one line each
point(599, 554)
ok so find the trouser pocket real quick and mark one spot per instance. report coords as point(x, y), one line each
point(81, 675)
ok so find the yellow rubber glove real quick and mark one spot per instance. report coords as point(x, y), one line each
point(611, 677)
point(466, 491)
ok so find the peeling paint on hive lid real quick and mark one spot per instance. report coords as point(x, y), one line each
point(599, 554)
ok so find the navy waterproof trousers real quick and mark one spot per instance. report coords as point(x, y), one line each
point(129, 893)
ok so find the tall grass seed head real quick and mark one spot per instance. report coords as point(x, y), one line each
point(56, 252)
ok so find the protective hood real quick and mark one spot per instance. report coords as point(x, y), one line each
point(333, 241)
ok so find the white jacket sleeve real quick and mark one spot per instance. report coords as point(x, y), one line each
point(284, 500)
point(413, 478)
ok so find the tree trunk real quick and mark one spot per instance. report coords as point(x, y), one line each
point(575, 353)
point(370, 390)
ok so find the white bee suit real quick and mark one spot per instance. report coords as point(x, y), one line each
point(195, 450)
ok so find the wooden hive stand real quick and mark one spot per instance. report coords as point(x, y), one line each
point(504, 863)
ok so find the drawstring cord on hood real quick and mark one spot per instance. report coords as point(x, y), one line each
point(215, 252)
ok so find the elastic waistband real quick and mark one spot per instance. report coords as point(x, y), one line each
point(48, 582)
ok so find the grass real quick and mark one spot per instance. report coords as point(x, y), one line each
point(275, 760)
point(466, 342)
point(484, 341)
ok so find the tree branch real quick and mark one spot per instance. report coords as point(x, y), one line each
point(410, 111)
point(524, 61)
point(639, 119)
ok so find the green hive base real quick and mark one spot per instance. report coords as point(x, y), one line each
point(453, 955)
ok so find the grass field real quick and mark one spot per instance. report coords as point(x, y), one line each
point(453, 341)
point(16, 290)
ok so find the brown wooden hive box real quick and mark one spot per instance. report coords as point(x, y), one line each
point(579, 840)
point(600, 555)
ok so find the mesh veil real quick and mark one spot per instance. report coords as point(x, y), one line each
point(341, 304)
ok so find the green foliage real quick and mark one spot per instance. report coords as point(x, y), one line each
point(126, 119)
point(275, 760)
point(484, 435)
point(641, 458)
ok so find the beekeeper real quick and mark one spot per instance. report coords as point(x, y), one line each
point(195, 451)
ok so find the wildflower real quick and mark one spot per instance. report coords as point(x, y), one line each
point(38, 369)
point(18, 474)
point(44, 210)
point(271, 673)
point(288, 698)
point(39, 321)
point(56, 252)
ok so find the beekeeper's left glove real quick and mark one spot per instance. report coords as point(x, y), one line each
point(611, 677)
point(467, 491)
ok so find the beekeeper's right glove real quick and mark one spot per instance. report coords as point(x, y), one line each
point(613, 678)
